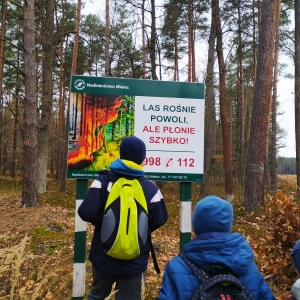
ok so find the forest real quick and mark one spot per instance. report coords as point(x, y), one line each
point(286, 165)
point(235, 48)
point(155, 41)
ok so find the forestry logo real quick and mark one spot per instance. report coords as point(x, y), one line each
point(79, 84)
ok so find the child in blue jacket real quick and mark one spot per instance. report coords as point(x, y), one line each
point(214, 244)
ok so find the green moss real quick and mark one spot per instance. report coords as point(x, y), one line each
point(46, 240)
point(10, 185)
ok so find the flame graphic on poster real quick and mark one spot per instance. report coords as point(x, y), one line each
point(97, 125)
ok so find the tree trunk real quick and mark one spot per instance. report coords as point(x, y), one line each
point(153, 41)
point(190, 35)
point(254, 186)
point(254, 42)
point(76, 38)
point(297, 89)
point(29, 192)
point(15, 131)
point(2, 38)
point(273, 173)
point(227, 151)
point(143, 41)
point(210, 112)
point(107, 38)
point(193, 55)
point(241, 105)
point(61, 126)
point(73, 72)
point(47, 95)
point(176, 69)
point(266, 164)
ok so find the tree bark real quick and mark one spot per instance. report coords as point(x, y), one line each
point(61, 126)
point(2, 38)
point(190, 37)
point(73, 72)
point(153, 41)
point(227, 147)
point(76, 38)
point(29, 192)
point(107, 38)
point(241, 105)
point(47, 96)
point(210, 112)
point(143, 41)
point(254, 185)
point(254, 42)
point(273, 151)
point(15, 131)
point(297, 89)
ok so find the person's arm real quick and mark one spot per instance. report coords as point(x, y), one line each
point(179, 283)
point(157, 214)
point(256, 284)
point(92, 207)
point(167, 290)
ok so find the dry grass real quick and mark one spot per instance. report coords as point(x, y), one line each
point(36, 245)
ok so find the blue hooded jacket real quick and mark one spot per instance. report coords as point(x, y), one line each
point(92, 210)
point(205, 250)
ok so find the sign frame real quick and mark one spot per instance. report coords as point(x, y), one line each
point(136, 89)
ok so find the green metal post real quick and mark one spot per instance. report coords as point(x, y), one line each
point(185, 213)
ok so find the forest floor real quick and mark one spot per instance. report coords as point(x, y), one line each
point(36, 244)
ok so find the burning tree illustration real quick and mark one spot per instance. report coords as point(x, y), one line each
point(87, 135)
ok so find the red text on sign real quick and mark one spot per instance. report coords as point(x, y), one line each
point(182, 162)
point(186, 162)
point(151, 129)
point(152, 161)
point(168, 140)
point(186, 130)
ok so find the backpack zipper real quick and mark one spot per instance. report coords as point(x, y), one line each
point(128, 218)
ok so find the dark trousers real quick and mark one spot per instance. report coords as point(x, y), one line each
point(127, 287)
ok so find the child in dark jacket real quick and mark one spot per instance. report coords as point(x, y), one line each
point(127, 274)
point(295, 290)
point(214, 244)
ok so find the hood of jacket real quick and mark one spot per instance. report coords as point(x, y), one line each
point(127, 168)
point(212, 248)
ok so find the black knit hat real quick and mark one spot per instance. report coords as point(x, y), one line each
point(134, 149)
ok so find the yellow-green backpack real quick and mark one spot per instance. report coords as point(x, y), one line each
point(125, 223)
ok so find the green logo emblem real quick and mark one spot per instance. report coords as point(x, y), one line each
point(79, 84)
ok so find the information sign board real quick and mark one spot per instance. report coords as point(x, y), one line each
point(167, 116)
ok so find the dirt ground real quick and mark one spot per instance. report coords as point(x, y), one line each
point(289, 179)
point(36, 251)
point(19, 221)
point(37, 244)
point(34, 244)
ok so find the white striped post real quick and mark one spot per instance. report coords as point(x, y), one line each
point(79, 269)
point(185, 213)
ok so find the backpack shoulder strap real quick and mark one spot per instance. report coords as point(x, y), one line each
point(204, 277)
point(103, 177)
point(153, 255)
point(198, 272)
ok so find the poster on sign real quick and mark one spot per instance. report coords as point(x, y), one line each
point(167, 116)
